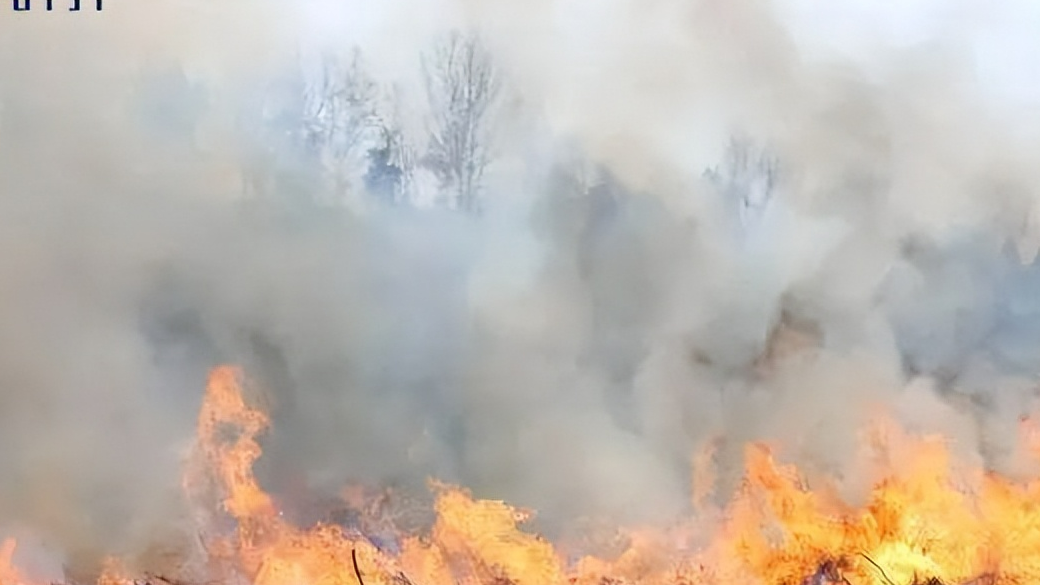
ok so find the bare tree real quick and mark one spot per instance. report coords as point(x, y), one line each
point(747, 177)
point(391, 162)
point(462, 86)
point(312, 129)
point(339, 106)
point(339, 118)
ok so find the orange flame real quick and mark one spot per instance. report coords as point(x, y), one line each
point(9, 575)
point(469, 536)
point(926, 520)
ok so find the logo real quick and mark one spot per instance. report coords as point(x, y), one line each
point(25, 5)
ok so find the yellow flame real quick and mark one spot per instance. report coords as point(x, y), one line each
point(925, 519)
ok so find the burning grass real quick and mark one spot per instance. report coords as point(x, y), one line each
point(926, 522)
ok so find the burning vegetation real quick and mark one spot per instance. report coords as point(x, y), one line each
point(486, 251)
point(926, 521)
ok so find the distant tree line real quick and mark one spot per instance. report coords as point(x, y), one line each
point(328, 130)
point(338, 132)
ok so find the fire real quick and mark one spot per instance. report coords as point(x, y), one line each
point(926, 520)
point(9, 574)
point(479, 538)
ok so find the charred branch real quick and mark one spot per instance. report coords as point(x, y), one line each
point(829, 572)
point(357, 570)
point(880, 570)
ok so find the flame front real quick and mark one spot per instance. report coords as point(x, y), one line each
point(925, 521)
point(471, 541)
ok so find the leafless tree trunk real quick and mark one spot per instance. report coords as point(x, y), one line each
point(462, 87)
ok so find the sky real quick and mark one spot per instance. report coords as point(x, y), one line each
point(994, 42)
point(999, 36)
point(1002, 35)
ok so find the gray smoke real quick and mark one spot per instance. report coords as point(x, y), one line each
point(569, 349)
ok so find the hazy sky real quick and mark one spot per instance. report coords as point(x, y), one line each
point(1001, 36)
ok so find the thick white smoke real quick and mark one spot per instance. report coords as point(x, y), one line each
point(571, 348)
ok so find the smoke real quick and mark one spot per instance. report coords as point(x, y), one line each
point(571, 348)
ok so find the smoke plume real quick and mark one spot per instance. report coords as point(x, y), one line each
point(863, 242)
